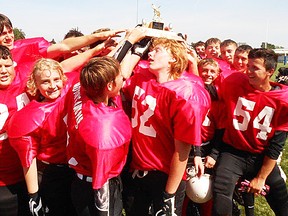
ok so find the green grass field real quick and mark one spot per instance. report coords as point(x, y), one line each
point(261, 206)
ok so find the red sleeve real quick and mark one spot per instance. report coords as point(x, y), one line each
point(190, 106)
point(27, 50)
point(22, 127)
point(26, 148)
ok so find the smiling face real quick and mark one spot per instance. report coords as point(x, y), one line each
point(7, 37)
point(200, 50)
point(49, 84)
point(257, 74)
point(208, 70)
point(227, 53)
point(240, 61)
point(7, 72)
point(213, 50)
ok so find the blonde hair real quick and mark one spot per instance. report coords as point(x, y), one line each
point(208, 61)
point(41, 65)
point(178, 52)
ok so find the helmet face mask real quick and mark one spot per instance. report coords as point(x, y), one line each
point(199, 189)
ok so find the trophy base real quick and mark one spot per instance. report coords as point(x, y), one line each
point(156, 25)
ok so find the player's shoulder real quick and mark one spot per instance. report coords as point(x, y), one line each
point(28, 118)
point(28, 42)
point(279, 92)
point(188, 88)
point(236, 78)
point(102, 125)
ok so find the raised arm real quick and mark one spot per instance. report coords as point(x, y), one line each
point(75, 62)
point(75, 43)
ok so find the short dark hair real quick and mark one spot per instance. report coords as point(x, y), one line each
point(228, 42)
point(268, 55)
point(212, 40)
point(5, 53)
point(74, 32)
point(97, 73)
point(5, 21)
point(199, 43)
point(244, 48)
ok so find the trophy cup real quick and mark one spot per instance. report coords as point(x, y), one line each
point(156, 27)
point(157, 20)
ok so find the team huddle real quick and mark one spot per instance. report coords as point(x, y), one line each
point(91, 126)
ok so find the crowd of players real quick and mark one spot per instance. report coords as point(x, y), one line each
point(110, 129)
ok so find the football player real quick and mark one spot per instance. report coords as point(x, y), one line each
point(255, 134)
point(167, 113)
point(99, 137)
point(14, 198)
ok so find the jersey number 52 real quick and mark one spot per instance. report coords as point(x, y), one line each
point(149, 101)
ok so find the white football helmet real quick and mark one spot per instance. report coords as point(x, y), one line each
point(199, 190)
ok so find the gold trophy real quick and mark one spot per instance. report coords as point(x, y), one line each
point(157, 20)
point(156, 27)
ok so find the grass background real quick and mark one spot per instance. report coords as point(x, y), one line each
point(261, 206)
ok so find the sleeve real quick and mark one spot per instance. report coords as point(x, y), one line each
point(23, 129)
point(276, 145)
point(188, 118)
point(216, 143)
point(197, 151)
point(26, 148)
point(189, 114)
point(31, 49)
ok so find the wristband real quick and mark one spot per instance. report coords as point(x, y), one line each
point(167, 195)
point(121, 52)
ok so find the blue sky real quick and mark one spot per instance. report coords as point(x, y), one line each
point(249, 21)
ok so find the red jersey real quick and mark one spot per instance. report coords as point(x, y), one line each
point(12, 99)
point(162, 113)
point(215, 119)
point(225, 67)
point(26, 51)
point(44, 134)
point(99, 138)
point(253, 116)
point(31, 49)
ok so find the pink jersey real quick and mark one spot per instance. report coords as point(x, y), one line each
point(253, 116)
point(162, 113)
point(99, 138)
point(44, 133)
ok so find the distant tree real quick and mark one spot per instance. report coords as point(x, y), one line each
point(18, 34)
point(52, 41)
point(267, 45)
point(279, 47)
